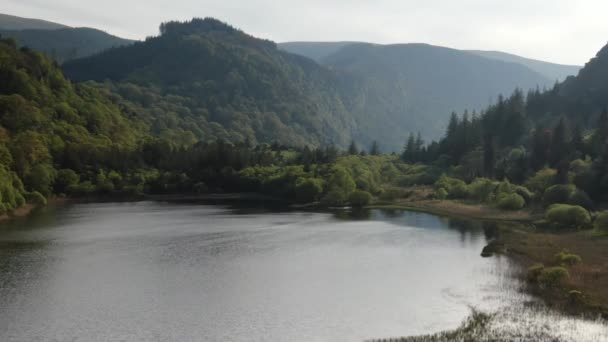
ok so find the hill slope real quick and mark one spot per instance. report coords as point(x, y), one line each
point(217, 82)
point(411, 87)
point(66, 43)
point(316, 51)
point(552, 71)
point(11, 22)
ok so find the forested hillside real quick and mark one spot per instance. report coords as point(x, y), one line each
point(409, 88)
point(214, 81)
point(66, 43)
point(55, 136)
point(555, 142)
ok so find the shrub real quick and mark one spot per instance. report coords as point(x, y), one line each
point(565, 258)
point(65, 180)
point(441, 194)
point(481, 189)
point(335, 197)
point(601, 221)
point(36, 198)
point(542, 180)
point(308, 190)
point(360, 198)
point(552, 277)
point(579, 197)
point(458, 191)
point(510, 202)
point(526, 194)
point(534, 272)
point(558, 194)
point(454, 187)
point(568, 216)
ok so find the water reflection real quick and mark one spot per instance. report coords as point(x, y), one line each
point(179, 271)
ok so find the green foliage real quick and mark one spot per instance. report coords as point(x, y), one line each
point(558, 194)
point(441, 193)
point(359, 198)
point(567, 259)
point(563, 216)
point(510, 201)
point(534, 272)
point(553, 277)
point(308, 189)
point(66, 181)
point(542, 180)
point(482, 189)
point(455, 188)
point(208, 80)
point(36, 198)
point(601, 221)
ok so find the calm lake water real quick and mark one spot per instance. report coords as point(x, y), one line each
point(190, 272)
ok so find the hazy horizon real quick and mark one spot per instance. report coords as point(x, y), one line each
point(560, 31)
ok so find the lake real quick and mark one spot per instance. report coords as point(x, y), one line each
point(154, 271)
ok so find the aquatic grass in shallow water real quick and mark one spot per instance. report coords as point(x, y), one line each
point(523, 323)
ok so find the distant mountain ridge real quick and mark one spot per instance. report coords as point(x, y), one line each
point(66, 43)
point(11, 22)
point(319, 51)
point(59, 41)
point(553, 71)
point(407, 88)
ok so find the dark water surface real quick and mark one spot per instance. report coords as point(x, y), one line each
point(189, 272)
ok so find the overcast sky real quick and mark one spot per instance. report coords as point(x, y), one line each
point(562, 31)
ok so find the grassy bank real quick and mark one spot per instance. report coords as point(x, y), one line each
point(585, 290)
point(461, 210)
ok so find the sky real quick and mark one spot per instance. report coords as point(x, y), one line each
point(560, 31)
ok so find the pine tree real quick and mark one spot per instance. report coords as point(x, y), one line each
point(559, 144)
point(409, 150)
point(375, 149)
point(352, 149)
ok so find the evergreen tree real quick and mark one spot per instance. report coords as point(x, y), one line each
point(375, 149)
point(352, 149)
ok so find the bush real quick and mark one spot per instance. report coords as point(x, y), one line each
point(481, 189)
point(566, 216)
point(534, 272)
point(601, 221)
point(552, 277)
point(558, 194)
point(455, 188)
point(510, 202)
point(360, 198)
point(526, 194)
point(308, 190)
point(35, 198)
point(579, 197)
point(65, 180)
point(441, 194)
point(565, 258)
point(335, 197)
point(542, 180)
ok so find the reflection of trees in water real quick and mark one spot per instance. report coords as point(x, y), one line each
point(354, 214)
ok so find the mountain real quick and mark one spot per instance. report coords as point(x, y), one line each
point(316, 51)
point(10, 22)
point(552, 71)
point(66, 43)
point(412, 87)
point(216, 82)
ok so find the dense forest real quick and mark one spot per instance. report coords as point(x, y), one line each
point(216, 82)
point(269, 122)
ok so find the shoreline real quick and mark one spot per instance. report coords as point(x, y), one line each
point(526, 246)
point(461, 210)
